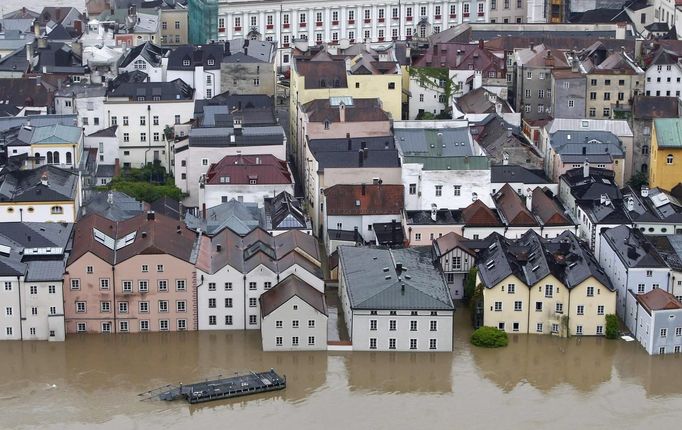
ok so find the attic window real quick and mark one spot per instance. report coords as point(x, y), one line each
point(253, 181)
point(185, 62)
point(357, 203)
point(224, 179)
point(584, 124)
point(210, 62)
point(535, 268)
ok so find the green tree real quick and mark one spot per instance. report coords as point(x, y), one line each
point(437, 78)
point(612, 327)
point(470, 284)
point(489, 337)
point(148, 183)
point(638, 179)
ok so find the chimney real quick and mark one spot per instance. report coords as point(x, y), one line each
point(117, 167)
point(644, 191)
point(350, 143)
point(481, 43)
point(398, 268)
point(36, 29)
point(218, 247)
point(360, 155)
point(505, 159)
point(364, 191)
point(434, 212)
point(151, 216)
point(586, 168)
point(342, 112)
point(529, 199)
point(43, 179)
point(203, 211)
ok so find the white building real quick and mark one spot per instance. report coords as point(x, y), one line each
point(245, 178)
point(234, 271)
point(442, 165)
point(86, 101)
point(654, 320)
point(143, 111)
point(31, 299)
point(353, 20)
point(198, 67)
point(664, 75)
point(207, 146)
point(293, 317)
point(631, 264)
point(148, 58)
point(394, 300)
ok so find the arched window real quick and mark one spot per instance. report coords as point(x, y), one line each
point(56, 210)
point(140, 65)
point(645, 149)
point(55, 157)
point(645, 168)
point(49, 157)
point(669, 159)
point(37, 158)
point(68, 158)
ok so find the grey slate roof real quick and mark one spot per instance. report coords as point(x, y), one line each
point(106, 132)
point(150, 52)
point(174, 90)
point(586, 144)
point(514, 173)
point(335, 153)
point(633, 248)
point(592, 187)
point(26, 185)
point(19, 236)
point(249, 51)
point(37, 121)
point(197, 56)
point(446, 142)
point(283, 212)
point(418, 286)
point(113, 205)
point(251, 136)
point(237, 216)
point(105, 171)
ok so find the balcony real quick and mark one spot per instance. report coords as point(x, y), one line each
point(351, 21)
point(481, 14)
point(409, 18)
point(221, 30)
point(381, 20)
point(269, 27)
point(335, 22)
point(285, 25)
point(465, 14)
point(302, 25)
point(453, 16)
point(237, 28)
point(437, 17)
point(318, 24)
point(368, 20)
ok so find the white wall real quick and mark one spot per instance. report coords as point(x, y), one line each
point(10, 299)
point(429, 93)
point(292, 310)
point(213, 193)
point(156, 74)
point(37, 212)
point(362, 334)
point(45, 322)
point(471, 181)
point(362, 222)
point(107, 148)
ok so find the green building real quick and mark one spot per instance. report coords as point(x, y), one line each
point(203, 21)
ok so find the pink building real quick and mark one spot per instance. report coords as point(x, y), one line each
point(131, 276)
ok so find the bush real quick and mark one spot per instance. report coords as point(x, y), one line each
point(489, 337)
point(612, 327)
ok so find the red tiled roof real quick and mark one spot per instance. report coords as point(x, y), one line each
point(460, 56)
point(657, 300)
point(242, 169)
point(513, 208)
point(478, 214)
point(547, 209)
point(365, 199)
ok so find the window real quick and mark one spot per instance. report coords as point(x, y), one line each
point(127, 286)
point(590, 291)
point(457, 189)
point(392, 325)
point(163, 285)
point(607, 112)
point(413, 189)
point(640, 289)
point(549, 291)
point(126, 137)
point(163, 305)
point(413, 325)
point(294, 341)
point(212, 303)
point(372, 343)
point(156, 137)
point(661, 350)
point(75, 284)
point(511, 288)
point(518, 306)
point(417, 236)
point(252, 320)
point(228, 302)
point(439, 190)
point(143, 307)
point(372, 325)
point(413, 343)
point(9, 331)
point(538, 306)
point(669, 160)
point(228, 286)
point(528, 93)
point(80, 307)
point(181, 306)
point(228, 319)
point(177, 119)
point(180, 284)
point(143, 286)
point(212, 320)
point(311, 340)
point(278, 341)
point(571, 103)
point(253, 302)
point(664, 332)
point(579, 330)
point(88, 270)
point(433, 326)
point(80, 327)
point(559, 308)
point(600, 310)
point(581, 310)
point(498, 306)
point(678, 331)
point(252, 286)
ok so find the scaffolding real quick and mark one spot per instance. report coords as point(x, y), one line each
point(203, 21)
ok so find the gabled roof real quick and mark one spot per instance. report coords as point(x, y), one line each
point(633, 248)
point(150, 52)
point(244, 169)
point(448, 242)
point(658, 300)
point(513, 173)
point(188, 57)
point(365, 199)
point(24, 92)
point(285, 290)
point(147, 233)
point(512, 209)
point(113, 205)
point(355, 110)
point(591, 187)
point(399, 279)
point(322, 74)
point(106, 132)
point(176, 90)
point(479, 215)
point(284, 212)
point(547, 209)
point(237, 216)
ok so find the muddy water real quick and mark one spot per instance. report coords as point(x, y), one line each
point(537, 382)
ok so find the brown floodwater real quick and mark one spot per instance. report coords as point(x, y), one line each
point(92, 381)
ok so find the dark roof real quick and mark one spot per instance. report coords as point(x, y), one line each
point(149, 91)
point(514, 173)
point(58, 57)
point(28, 186)
point(669, 247)
point(59, 33)
point(461, 56)
point(25, 92)
point(322, 74)
point(389, 233)
point(242, 169)
point(360, 110)
point(226, 137)
point(337, 153)
point(547, 209)
point(223, 109)
point(150, 52)
point(600, 16)
point(237, 216)
point(284, 212)
point(633, 248)
point(374, 280)
point(113, 205)
point(187, 57)
point(423, 217)
point(531, 258)
point(448, 242)
point(504, 143)
point(658, 27)
point(345, 235)
point(166, 206)
point(105, 171)
point(291, 286)
point(15, 61)
point(155, 234)
point(106, 132)
point(647, 107)
point(32, 250)
point(364, 199)
point(597, 183)
point(481, 101)
point(248, 51)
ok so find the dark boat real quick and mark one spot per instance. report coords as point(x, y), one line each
point(221, 388)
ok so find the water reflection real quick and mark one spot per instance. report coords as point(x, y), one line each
point(546, 362)
point(658, 375)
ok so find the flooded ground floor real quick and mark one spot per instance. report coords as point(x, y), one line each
point(92, 381)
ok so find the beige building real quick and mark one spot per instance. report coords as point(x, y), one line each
point(544, 286)
point(174, 25)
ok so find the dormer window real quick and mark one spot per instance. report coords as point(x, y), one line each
point(140, 65)
point(211, 62)
point(186, 62)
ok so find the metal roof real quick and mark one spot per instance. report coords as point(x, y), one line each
point(668, 132)
point(619, 127)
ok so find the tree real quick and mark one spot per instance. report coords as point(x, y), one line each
point(638, 179)
point(470, 284)
point(489, 337)
point(146, 184)
point(612, 327)
point(437, 78)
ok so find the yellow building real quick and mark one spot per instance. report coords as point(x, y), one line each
point(544, 286)
point(666, 153)
point(356, 72)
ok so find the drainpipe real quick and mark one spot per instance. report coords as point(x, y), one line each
point(244, 289)
point(21, 324)
point(529, 311)
point(113, 290)
point(149, 137)
point(568, 327)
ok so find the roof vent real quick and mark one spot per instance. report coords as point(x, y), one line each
point(385, 269)
point(218, 247)
point(535, 268)
point(387, 277)
point(144, 234)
